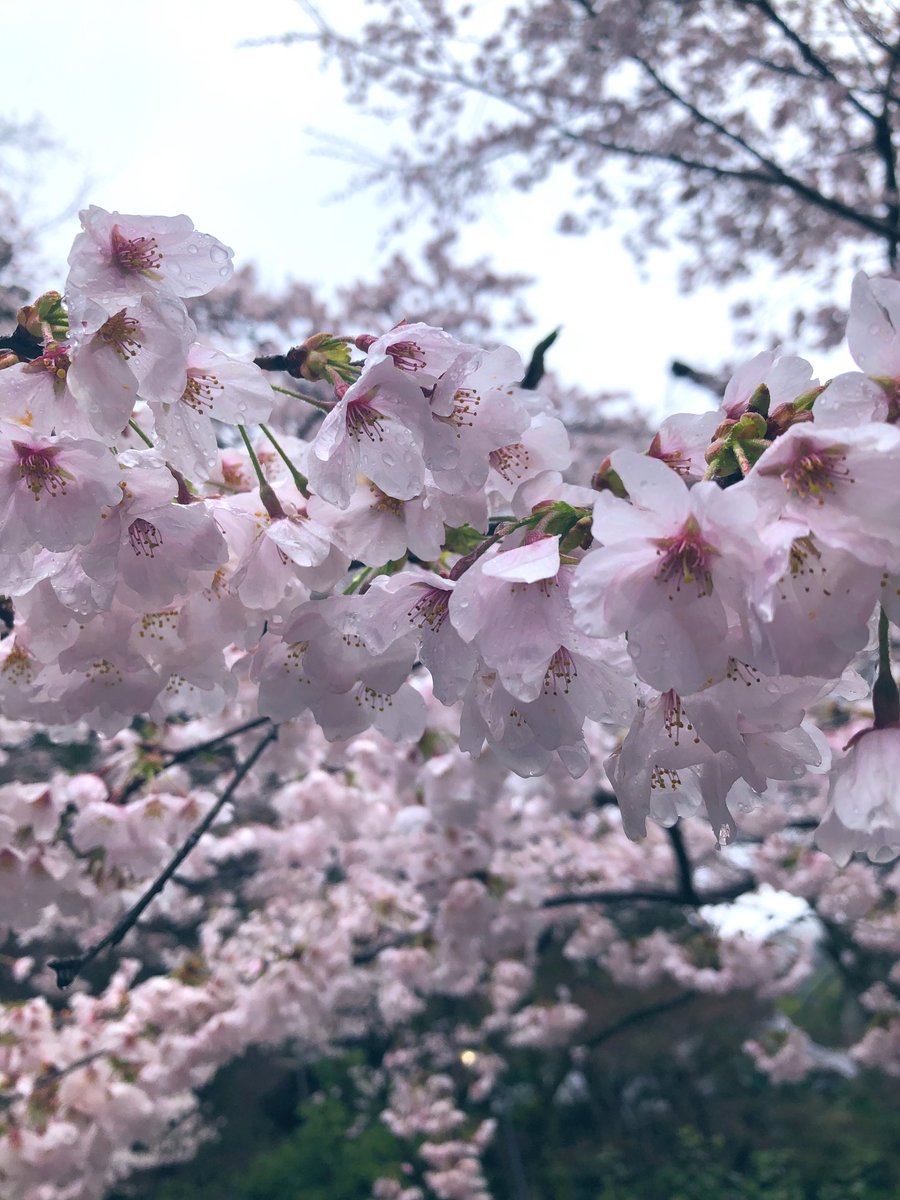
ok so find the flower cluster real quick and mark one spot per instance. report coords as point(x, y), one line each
point(164, 549)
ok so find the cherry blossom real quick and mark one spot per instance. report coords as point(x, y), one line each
point(673, 570)
point(118, 258)
point(239, 634)
point(52, 490)
point(862, 811)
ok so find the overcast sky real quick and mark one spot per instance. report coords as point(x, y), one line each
point(160, 111)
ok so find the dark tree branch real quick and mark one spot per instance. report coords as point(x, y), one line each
point(777, 175)
point(683, 865)
point(866, 26)
point(638, 1017)
point(7, 1099)
point(884, 144)
point(68, 969)
point(635, 896)
point(809, 56)
point(457, 79)
point(181, 756)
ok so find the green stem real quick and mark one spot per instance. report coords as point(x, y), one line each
point(137, 429)
point(263, 482)
point(320, 404)
point(358, 580)
point(301, 483)
point(267, 494)
point(462, 565)
point(885, 696)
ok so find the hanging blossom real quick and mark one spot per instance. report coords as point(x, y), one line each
point(118, 258)
point(674, 571)
point(432, 496)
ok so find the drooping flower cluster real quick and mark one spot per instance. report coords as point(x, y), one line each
point(418, 568)
point(161, 545)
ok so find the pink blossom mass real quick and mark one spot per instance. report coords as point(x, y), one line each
point(377, 704)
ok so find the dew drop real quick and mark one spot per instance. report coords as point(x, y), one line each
point(218, 254)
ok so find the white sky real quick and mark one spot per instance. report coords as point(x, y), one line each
point(161, 112)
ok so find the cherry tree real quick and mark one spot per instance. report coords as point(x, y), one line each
point(745, 132)
point(371, 714)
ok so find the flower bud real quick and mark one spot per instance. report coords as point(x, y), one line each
point(322, 357)
point(47, 312)
point(786, 415)
point(605, 479)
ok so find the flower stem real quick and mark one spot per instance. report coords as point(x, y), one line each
point(137, 429)
point(357, 580)
point(267, 494)
point(261, 479)
point(320, 404)
point(301, 483)
point(885, 696)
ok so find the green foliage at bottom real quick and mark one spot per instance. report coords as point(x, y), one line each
point(331, 1153)
point(320, 1161)
point(701, 1169)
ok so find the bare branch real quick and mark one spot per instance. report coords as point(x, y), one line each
point(638, 1017)
point(636, 896)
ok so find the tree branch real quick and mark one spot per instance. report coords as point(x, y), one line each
point(636, 1018)
point(68, 969)
point(777, 175)
point(181, 756)
point(683, 865)
point(629, 896)
point(809, 55)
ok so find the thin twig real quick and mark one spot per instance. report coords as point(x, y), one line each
point(68, 969)
point(7, 1099)
point(189, 752)
point(635, 1018)
point(631, 896)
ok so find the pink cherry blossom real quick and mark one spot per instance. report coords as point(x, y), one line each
point(863, 814)
point(675, 568)
point(119, 258)
point(214, 386)
point(141, 349)
point(840, 483)
point(376, 429)
point(52, 491)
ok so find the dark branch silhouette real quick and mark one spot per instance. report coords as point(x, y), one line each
point(68, 969)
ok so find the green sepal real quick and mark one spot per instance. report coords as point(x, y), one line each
point(462, 539)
